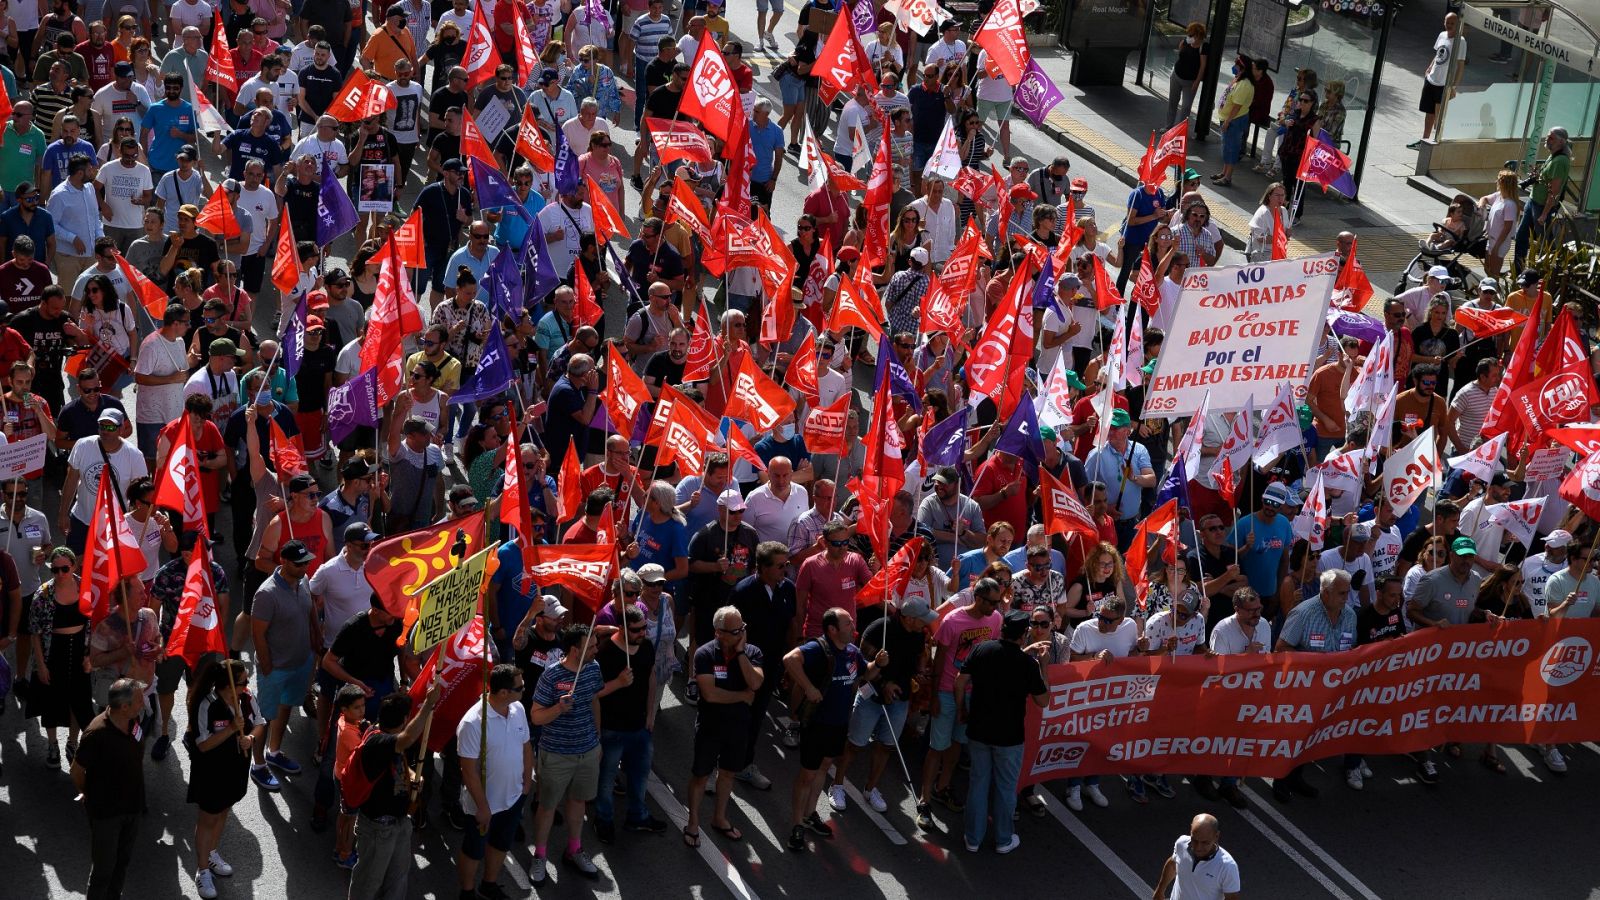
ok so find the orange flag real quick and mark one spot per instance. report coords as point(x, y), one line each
point(569, 496)
point(287, 456)
point(739, 447)
point(531, 144)
point(850, 308)
point(607, 221)
point(361, 97)
point(152, 298)
point(472, 142)
point(587, 311)
point(218, 217)
point(583, 569)
point(757, 399)
point(407, 241)
point(802, 372)
point(219, 66)
point(624, 394)
point(286, 264)
point(1280, 238)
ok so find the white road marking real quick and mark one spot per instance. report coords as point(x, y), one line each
point(855, 796)
point(1519, 761)
point(1097, 848)
point(1315, 848)
point(720, 865)
point(1277, 841)
point(1592, 747)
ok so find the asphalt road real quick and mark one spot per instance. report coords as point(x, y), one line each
point(1477, 834)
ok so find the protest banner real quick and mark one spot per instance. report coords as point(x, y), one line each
point(19, 458)
point(451, 600)
point(1515, 682)
point(1238, 328)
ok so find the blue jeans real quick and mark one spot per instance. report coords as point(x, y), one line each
point(1233, 139)
point(994, 779)
point(639, 65)
point(632, 750)
point(1528, 228)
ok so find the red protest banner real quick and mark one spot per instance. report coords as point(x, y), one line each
point(1522, 682)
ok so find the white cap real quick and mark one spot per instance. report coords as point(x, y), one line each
point(1439, 272)
point(1558, 538)
point(553, 607)
point(919, 255)
point(731, 500)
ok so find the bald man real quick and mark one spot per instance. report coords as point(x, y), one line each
point(1199, 869)
point(773, 507)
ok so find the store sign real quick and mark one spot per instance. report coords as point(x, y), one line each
point(1584, 60)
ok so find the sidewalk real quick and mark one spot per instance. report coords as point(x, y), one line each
point(1112, 125)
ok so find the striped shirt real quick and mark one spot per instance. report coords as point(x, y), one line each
point(1472, 404)
point(574, 732)
point(647, 34)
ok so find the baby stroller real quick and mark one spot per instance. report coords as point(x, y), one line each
point(1446, 246)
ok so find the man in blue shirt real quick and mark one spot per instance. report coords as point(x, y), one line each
point(252, 142)
point(1324, 624)
point(1124, 468)
point(766, 139)
point(61, 150)
point(1263, 541)
point(167, 127)
point(1147, 205)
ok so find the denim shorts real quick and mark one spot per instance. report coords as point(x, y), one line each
point(871, 720)
point(282, 687)
point(945, 730)
point(793, 89)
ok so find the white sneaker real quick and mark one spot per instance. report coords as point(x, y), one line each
point(1554, 759)
point(205, 885)
point(876, 801)
point(1095, 797)
point(836, 798)
point(1075, 799)
point(219, 866)
point(1352, 777)
point(1009, 846)
point(1366, 770)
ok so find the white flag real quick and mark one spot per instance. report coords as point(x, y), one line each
point(1280, 429)
point(1193, 440)
point(1410, 472)
point(1053, 407)
point(1116, 361)
point(811, 161)
point(1484, 461)
point(946, 159)
point(1312, 523)
point(1134, 355)
point(1239, 444)
point(1382, 434)
point(1105, 405)
point(1375, 379)
point(1518, 518)
point(1343, 471)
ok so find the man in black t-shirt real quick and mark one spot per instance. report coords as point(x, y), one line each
point(452, 96)
point(299, 186)
point(666, 366)
point(629, 716)
point(364, 651)
point(383, 830)
point(47, 328)
point(720, 555)
point(1002, 678)
point(728, 670)
point(882, 714)
point(319, 82)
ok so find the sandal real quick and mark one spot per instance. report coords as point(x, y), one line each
point(691, 840)
point(1492, 762)
point(728, 831)
point(1454, 750)
point(1222, 182)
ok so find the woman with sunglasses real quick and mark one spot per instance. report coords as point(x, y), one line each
point(420, 400)
point(111, 321)
point(60, 693)
point(110, 150)
point(1039, 587)
point(975, 150)
point(146, 71)
point(224, 724)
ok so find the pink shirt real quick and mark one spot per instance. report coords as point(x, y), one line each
point(958, 634)
point(826, 585)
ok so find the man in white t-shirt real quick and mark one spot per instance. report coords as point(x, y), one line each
point(850, 133)
point(122, 97)
point(128, 189)
point(938, 217)
point(84, 465)
point(771, 508)
point(258, 198)
point(949, 48)
point(1537, 569)
point(1243, 632)
point(994, 101)
point(1199, 869)
point(190, 13)
point(159, 377)
point(1055, 333)
point(585, 124)
point(1386, 542)
point(1444, 68)
point(1352, 557)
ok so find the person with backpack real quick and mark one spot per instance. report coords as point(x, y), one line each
point(350, 726)
point(377, 782)
point(224, 723)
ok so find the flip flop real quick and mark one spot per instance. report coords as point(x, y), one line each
point(730, 831)
point(691, 840)
point(1493, 764)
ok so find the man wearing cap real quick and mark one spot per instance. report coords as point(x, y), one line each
point(1446, 596)
point(361, 491)
point(339, 587)
point(721, 554)
point(1416, 299)
point(285, 631)
point(1325, 623)
point(1352, 557)
point(446, 207)
point(879, 714)
point(1001, 677)
point(953, 518)
point(85, 462)
point(1262, 540)
point(364, 652)
point(218, 379)
point(128, 189)
point(392, 43)
point(185, 185)
point(1123, 466)
point(122, 97)
point(1537, 569)
point(416, 477)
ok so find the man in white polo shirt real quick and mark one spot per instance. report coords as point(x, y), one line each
point(773, 507)
point(1199, 869)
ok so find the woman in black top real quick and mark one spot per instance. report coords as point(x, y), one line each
point(224, 724)
point(1435, 339)
point(1293, 144)
point(1187, 70)
point(60, 694)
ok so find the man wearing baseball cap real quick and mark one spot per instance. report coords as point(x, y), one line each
point(721, 554)
point(1263, 540)
point(1002, 679)
point(1352, 556)
point(1416, 300)
point(1537, 569)
point(1124, 467)
point(283, 624)
point(78, 493)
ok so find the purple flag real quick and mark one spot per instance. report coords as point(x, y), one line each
point(567, 177)
point(502, 285)
point(540, 277)
point(336, 215)
point(945, 442)
point(1036, 94)
point(1345, 183)
point(899, 380)
point(493, 374)
point(1044, 289)
point(1356, 325)
point(1176, 485)
point(293, 344)
point(492, 189)
point(1021, 437)
point(863, 16)
point(353, 404)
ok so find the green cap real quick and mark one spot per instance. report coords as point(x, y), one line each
point(1464, 546)
point(1074, 382)
point(1119, 418)
point(1191, 175)
point(221, 347)
point(1047, 433)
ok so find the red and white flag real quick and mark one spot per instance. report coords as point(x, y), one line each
point(676, 140)
point(711, 95)
point(531, 144)
point(288, 457)
point(1375, 379)
point(802, 372)
point(361, 97)
point(1559, 398)
point(757, 399)
point(824, 431)
point(583, 569)
point(1192, 442)
point(1240, 443)
point(1280, 428)
point(1519, 518)
point(197, 628)
point(1482, 461)
point(1582, 486)
point(891, 581)
point(1486, 323)
point(482, 58)
point(1002, 35)
point(219, 64)
point(1312, 522)
point(178, 482)
point(111, 555)
point(1063, 512)
point(459, 662)
point(1411, 471)
point(624, 394)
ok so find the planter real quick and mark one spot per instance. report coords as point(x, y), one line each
point(1306, 25)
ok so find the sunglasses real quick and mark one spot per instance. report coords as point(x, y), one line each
point(838, 543)
point(84, 389)
point(60, 569)
point(1039, 623)
point(628, 593)
point(1109, 620)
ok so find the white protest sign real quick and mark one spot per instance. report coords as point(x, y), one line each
point(19, 458)
point(1239, 326)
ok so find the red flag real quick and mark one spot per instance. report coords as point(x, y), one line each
point(986, 368)
point(152, 298)
point(1558, 398)
point(1146, 290)
point(1581, 487)
point(472, 141)
point(1173, 148)
point(393, 315)
point(583, 569)
point(1071, 234)
point(286, 269)
point(850, 308)
point(1280, 237)
point(1351, 289)
point(880, 190)
point(527, 53)
point(462, 660)
point(1150, 169)
point(218, 217)
point(624, 394)
point(824, 429)
point(739, 447)
point(481, 59)
point(1105, 287)
point(777, 320)
point(1004, 215)
point(741, 159)
point(755, 398)
point(569, 496)
point(1564, 346)
point(1063, 513)
point(1225, 483)
point(676, 140)
point(178, 482)
point(5, 105)
point(680, 428)
point(515, 510)
point(585, 310)
point(1519, 371)
point(111, 555)
point(703, 351)
point(1162, 523)
point(531, 144)
point(406, 242)
point(893, 579)
point(607, 221)
point(841, 65)
point(971, 183)
point(802, 372)
point(287, 456)
point(711, 95)
point(683, 206)
point(361, 97)
point(875, 495)
point(219, 66)
point(1486, 323)
point(1002, 35)
point(1585, 439)
point(399, 567)
point(839, 178)
point(197, 628)
point(1322, 163)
